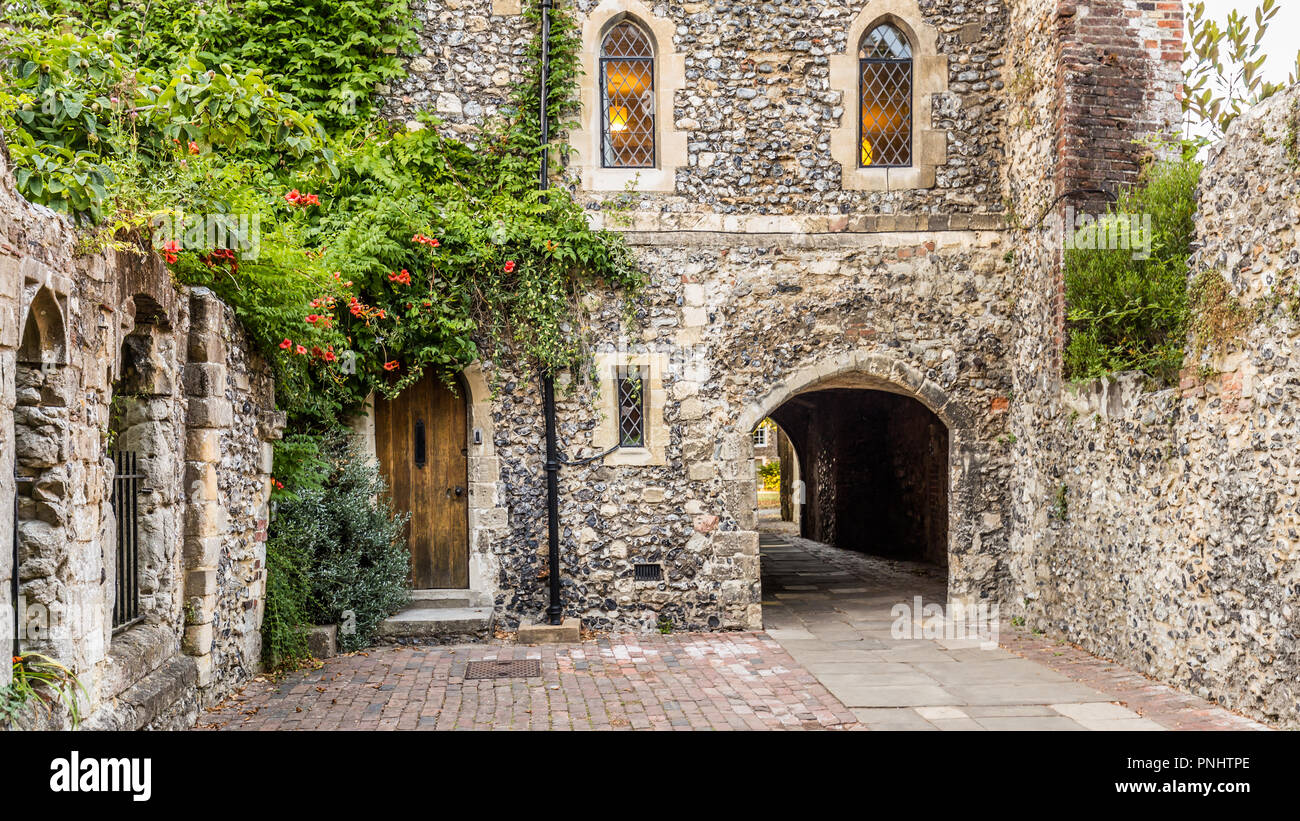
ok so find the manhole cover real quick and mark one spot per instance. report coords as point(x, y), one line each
point(514, 668)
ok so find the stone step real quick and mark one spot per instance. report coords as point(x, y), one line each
point(448, 598)
point(438, 623)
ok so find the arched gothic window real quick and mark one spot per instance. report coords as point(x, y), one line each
point(885, 93)
point(627, 72)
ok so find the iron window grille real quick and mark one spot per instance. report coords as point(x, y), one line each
point(631, 409)
point(126, 511)
point(885, 98)
point(627, 104)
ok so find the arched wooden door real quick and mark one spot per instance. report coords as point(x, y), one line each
point(421, 442)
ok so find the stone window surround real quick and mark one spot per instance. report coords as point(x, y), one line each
point(669, 77)
point(159, 492)
point(929, 77)
point(652, 367)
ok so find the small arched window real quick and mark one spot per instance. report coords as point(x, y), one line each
point(885, 92)
point(627, 71)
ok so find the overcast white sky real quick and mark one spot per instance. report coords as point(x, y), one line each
point(1283, 38)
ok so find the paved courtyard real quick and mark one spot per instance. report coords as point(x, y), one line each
point(828, 659)
point(832, 611)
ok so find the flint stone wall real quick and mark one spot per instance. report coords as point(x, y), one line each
point(1178, 553)
point(736, 327)
point(756, 103)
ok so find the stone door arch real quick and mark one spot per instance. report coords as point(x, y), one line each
point(970, 558)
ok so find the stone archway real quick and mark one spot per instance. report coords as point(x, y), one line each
point(966, 504)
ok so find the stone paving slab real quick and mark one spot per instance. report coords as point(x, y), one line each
point(733, 681)
point(844, 634)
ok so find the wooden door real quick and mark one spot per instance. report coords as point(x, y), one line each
point(421, 441)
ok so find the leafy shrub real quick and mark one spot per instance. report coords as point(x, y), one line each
point(769, 474)
point(288, 590)
point(341, 550)
point(1127, 314)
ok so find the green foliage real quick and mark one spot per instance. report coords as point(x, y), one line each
point(287, 612)
point(1060, 509)
point(326, 54)
point(769, 474)
point(167, 129)
point(1224, 62)
point(379, 253)
point(41, 680)
point(345, 555)
point(1129, 314)
point(72, 104)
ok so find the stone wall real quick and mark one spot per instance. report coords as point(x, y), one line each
point(1175, 548)
point(777, 268)
point(102, 354)
point(757, 97)
point(735, 326)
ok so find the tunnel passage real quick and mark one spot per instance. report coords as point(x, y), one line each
point(875, 472)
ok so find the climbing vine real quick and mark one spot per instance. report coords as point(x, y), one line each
point(381, 252)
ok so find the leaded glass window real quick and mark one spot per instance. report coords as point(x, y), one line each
point(885, 74)
point(627, 121)
point(631, 409)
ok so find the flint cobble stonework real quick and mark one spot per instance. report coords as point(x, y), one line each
point(1177, 555)
point(756, 103)
point(767, 277)
point(730, 323)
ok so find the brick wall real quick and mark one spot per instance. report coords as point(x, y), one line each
point(1120, 79)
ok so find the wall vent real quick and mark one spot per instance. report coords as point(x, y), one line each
point(649, 572)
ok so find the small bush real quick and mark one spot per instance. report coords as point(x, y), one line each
point(769, 475)
point(335, 549)
point(1129, 314)
point(285, 621)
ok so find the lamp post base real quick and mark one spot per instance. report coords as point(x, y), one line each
point(568, 631)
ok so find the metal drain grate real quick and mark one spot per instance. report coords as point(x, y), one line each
point(512, 668)
point(648, 573)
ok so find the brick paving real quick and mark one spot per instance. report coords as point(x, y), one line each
point(1150, 699)
point(733, 681)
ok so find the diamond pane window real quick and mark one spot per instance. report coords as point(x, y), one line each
point(631, 410)
point(885, 74)
point(627, 122)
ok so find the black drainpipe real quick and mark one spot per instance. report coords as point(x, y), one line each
point(555, 610)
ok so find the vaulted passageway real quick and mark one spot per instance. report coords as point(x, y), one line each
point(874, 472)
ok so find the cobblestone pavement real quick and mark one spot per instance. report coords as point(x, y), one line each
point(832, 610)
point(826, 660)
